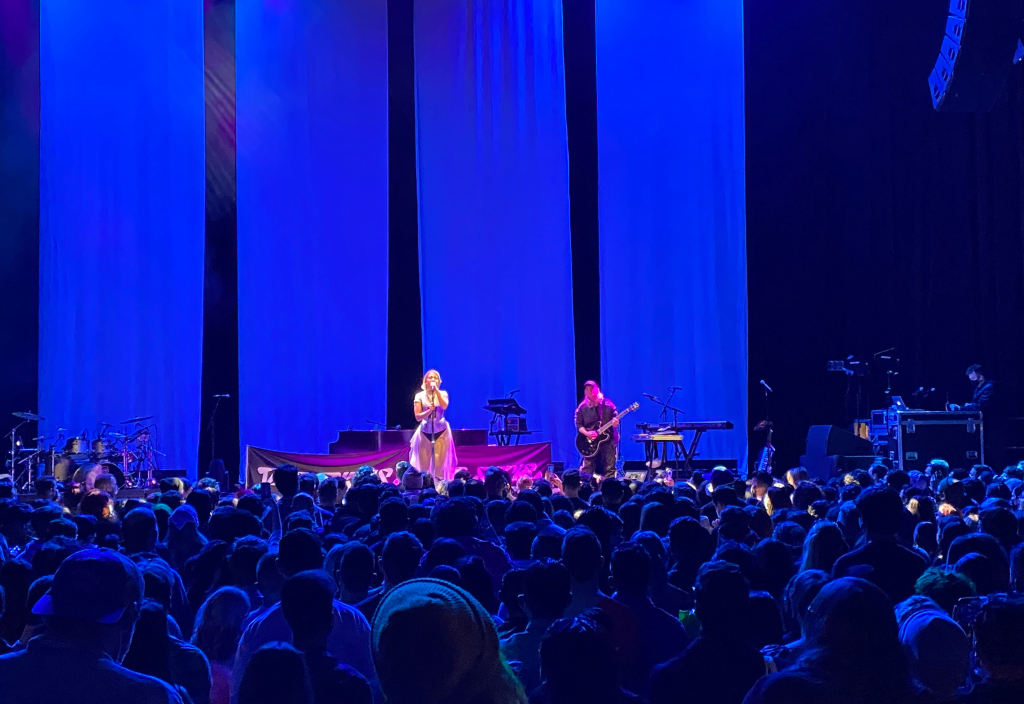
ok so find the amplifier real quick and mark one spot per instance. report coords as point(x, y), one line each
point(917, 437)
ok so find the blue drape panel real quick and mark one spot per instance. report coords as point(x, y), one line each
point(495, 254)
point(672, 215)
point(121, 217)
point(312, 219)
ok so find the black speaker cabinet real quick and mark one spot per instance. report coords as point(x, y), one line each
point(977, 54)
point(824, 440)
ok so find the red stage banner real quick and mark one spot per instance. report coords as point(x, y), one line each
point(531, 459)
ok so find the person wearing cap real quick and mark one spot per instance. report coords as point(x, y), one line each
point(90, 612)
point(721, 478)
point(433, 643)
point(936, 646)
point(412, 484)
point(184, 540)
point(594, 411)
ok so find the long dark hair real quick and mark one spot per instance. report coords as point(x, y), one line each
point(219, 624)
point(150, 651)
point(276, 674)
point(853, 644)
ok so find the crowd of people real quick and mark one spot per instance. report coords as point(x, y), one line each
point(877, 586)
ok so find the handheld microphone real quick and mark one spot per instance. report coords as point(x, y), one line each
point(767, 387)
point(222, 395)
point(653, 398)
point(675, 388)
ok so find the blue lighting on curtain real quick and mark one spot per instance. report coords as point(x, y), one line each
point(672, 214)
point(495, 253)
point(121, 233)
point(312, 219)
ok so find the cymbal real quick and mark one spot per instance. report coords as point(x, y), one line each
point(27, 416)
point(136, 420)
point(138, 434)
point(113, 435)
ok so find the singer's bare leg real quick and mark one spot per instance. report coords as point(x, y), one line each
point(441, 447)
point(423, 455)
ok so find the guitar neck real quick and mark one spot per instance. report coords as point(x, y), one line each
point(604, 428)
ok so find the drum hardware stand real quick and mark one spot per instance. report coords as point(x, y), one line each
point(124, 458)
point(14, 448)
point(146, 460)
point(24, 418)
point(142, 473)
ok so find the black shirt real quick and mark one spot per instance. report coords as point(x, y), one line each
point(890, 566)
point(982, 399)
point(593, 417)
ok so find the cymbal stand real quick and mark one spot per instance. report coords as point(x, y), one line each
point(124, 459)
point(14, 449)
point(147, 458)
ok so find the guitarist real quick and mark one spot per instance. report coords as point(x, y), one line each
point(591, 414)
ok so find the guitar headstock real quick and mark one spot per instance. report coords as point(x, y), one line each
point(635, 405)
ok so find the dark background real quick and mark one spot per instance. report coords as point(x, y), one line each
point(19, 212)
point(873, 222)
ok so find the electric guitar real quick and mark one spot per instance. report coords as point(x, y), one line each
point(587, 447)
point(764, 464)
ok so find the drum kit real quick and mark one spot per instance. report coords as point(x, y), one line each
point(130, 456)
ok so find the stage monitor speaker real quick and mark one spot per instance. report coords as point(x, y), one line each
point(977, 54)
point(218, 472)
point(139, 493)
point(825, 440)
point(159, 474)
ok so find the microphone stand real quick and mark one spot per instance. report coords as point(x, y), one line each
point(214, 468)
point(665, 408)
point(433, 426)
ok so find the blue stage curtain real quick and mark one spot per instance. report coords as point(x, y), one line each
point(121, 217)
point(495, 254)
point(672, 213)
point(312, 219)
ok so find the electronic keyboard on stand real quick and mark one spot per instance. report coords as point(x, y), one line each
point(670, 436)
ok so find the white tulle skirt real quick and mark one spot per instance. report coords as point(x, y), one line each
point(442, 461)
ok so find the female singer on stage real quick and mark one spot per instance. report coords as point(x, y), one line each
point(432, 448)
